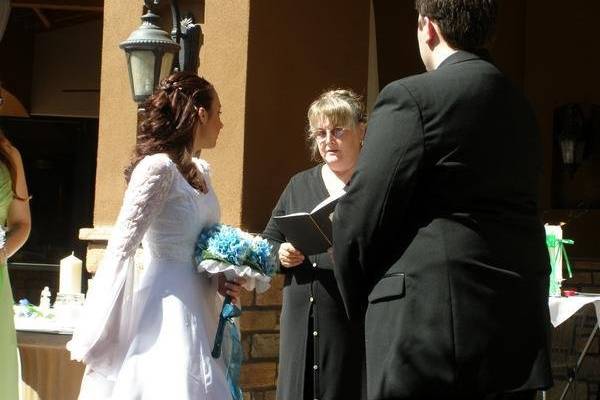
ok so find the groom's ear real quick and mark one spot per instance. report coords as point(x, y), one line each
point(203, 114)
point(430, 29)
point(433, 32)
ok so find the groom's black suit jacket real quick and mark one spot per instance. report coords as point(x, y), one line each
point(438, 239)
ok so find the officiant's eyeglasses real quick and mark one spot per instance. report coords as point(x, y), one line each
point(320, 135)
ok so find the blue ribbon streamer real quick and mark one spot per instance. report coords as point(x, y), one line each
point(233, 358)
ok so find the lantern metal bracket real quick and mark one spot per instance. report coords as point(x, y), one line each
point(187, 33)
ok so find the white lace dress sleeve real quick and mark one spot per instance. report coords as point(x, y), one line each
point(104, 331)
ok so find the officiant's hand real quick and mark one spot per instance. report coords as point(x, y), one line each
point(289, 256)
point(231, 288)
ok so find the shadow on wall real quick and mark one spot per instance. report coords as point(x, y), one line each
point(295, 51)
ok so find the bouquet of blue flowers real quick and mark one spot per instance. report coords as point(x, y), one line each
point(235, 253)
point(226, 249)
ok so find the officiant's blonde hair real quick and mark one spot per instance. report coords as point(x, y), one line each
point(341, 107)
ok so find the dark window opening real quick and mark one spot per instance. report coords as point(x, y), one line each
point(59, 157)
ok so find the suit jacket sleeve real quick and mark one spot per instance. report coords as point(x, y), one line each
point(368, 219)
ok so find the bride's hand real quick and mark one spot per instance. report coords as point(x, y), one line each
point(231, 288)
point(289, 256)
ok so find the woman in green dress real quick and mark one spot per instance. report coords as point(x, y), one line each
point(15, 219)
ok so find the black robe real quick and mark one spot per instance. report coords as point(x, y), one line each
point(321, 353)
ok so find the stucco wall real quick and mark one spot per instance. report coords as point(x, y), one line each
point(117, 124)
point(224, 63)
point(296, 50)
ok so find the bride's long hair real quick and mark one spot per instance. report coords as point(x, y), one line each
point(169, 120)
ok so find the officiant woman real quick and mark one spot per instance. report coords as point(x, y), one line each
point(321, 351)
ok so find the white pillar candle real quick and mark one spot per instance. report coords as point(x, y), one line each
point(70, 275)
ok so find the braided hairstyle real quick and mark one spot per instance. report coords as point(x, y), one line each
point(169, 120)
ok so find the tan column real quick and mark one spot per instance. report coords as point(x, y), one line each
point(223, 62)
point(117, 124)
point(117, 119)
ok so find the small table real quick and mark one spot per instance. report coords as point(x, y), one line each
point(47, 370)
point(563, 308)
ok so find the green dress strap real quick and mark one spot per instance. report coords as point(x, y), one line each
point(6, 193)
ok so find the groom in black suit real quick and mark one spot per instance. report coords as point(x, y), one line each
point(438, 243)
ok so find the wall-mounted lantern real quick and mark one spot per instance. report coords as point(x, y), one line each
point(571, 135)
point(152, 54)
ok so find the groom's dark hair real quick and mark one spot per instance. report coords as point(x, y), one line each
point(464, 24)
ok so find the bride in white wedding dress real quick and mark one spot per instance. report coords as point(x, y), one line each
point(152, 340)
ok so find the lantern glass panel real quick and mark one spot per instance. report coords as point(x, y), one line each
point(142, 72)
point(166, 66)
point(567, 148)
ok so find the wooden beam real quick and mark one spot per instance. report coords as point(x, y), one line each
point(74, 18)
point(65, 5)
point(42, 17)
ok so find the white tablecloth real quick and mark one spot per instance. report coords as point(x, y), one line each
point(562, 308)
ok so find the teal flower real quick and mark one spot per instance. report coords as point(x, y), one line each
point(233, 246)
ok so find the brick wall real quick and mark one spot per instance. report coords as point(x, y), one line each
point(260, 339)
point(569, 339)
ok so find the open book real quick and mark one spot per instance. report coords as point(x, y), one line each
point(310, 232)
